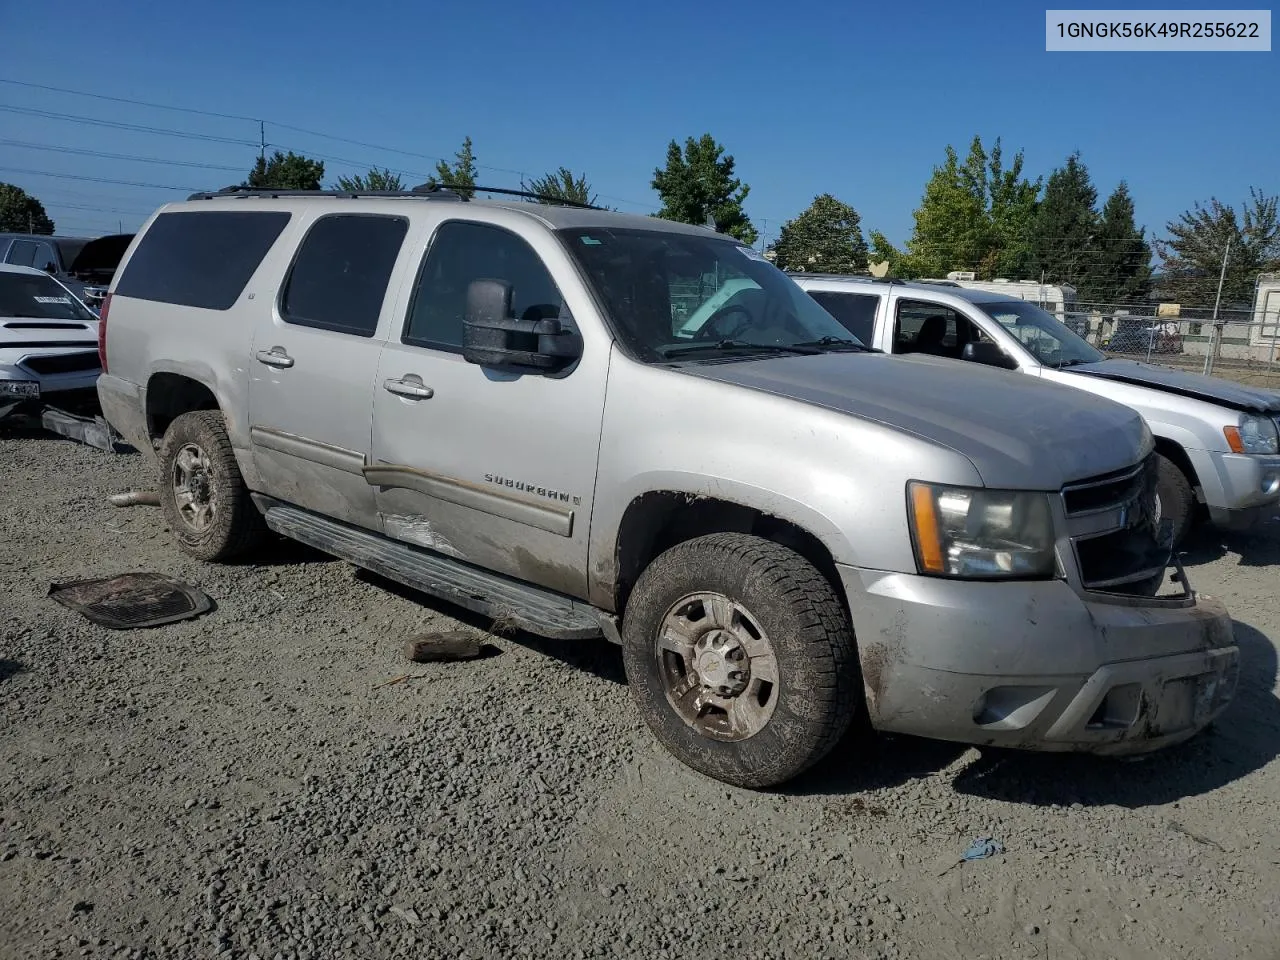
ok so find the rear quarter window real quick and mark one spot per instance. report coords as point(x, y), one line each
point(202, 259)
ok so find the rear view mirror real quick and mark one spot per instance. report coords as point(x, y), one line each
point(492, 337)
point(988, 354)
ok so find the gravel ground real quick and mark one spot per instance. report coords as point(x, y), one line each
point(243, 785)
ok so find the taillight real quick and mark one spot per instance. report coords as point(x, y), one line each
point(102, 332)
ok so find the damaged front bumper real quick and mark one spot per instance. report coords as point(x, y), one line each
point(1036, 665)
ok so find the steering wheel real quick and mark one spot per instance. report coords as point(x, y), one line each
point(712, 329)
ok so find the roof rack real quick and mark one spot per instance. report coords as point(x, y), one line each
point(842, 276)
point(423, 191)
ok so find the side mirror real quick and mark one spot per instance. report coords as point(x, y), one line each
point(50, 267)
point(492, 337)
point(988, 353)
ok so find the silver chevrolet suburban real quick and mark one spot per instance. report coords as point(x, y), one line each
point(556, 417)
point(1217, 442)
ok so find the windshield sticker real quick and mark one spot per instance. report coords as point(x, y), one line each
point(66, 300)
point(752, 254)
point(590, 241)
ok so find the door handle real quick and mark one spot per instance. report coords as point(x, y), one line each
point(275, 357)
point(410, 386)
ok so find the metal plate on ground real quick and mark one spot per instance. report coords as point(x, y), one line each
point(131, 601)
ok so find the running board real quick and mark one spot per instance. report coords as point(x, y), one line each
point(503, 598)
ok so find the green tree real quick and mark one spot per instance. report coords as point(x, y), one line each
point(289, 171)
point(1122, 269)
point(22, 213)
point(459, 176)
point(825, 238)
point(974, 215)
point(1065, 228)
point(375, 179)
point(1012, 201)
point(698, 183)
point(563, 185)
point(1198, 239)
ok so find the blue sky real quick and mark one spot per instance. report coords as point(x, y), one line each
point(858, 100)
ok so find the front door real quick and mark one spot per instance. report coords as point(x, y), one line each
point(496, 469)
point(313, 361)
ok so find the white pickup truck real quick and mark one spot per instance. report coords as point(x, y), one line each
point(1217, 441)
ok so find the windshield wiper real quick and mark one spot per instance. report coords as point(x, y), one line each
point(837, 343)
point(739, 346)
point(1071, 363)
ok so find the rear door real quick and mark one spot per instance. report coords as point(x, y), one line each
point(313, 362)
point(857, 312)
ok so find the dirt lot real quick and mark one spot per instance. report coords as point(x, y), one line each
point(241, 786)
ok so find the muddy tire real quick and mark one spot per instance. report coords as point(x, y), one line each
point(1177, 499)
point(202, 494)
point(740, 659)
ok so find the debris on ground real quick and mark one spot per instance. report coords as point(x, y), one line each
point(980, 849)
point(442, 647)
point(94, 431)
point(131, 601)
point(136, 498)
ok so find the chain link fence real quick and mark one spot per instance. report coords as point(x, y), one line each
point(1242, 345)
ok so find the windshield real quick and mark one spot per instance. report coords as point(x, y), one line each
point(38, 297)
point(675, 294)
point(1041, 334)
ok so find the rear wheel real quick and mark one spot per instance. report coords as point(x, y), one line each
point(1175, 499)
point(201, 491)
point(740, 658)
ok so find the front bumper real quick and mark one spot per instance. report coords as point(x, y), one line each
point(1237, 483)
point(1034, 665)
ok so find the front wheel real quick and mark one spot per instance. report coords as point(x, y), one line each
point(1175, 499)
point(740, 659)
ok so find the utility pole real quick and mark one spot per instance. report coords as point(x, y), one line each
point(1215, 340)
point(262, 140)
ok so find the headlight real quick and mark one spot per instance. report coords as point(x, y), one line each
point(981, 534)
point(1252, 435)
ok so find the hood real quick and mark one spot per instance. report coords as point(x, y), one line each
point(28, 335)
point(98, 259)
point(1237, 396)
point(1019, 433)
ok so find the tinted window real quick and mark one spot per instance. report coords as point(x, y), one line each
point(924, 327)
point(855, 311)
point(44, 256)
point(38, 297)
point(202, 259)
point(21, 253)
point(463, 252)
point(340, 276)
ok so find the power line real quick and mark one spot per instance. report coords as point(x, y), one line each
point(137, 103)
point(119, 125)
point(122, 183)
point(246, 119)
point(53, 148)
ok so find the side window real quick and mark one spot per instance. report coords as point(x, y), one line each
point(855, 311)
point(202, 259)
point(21, 253)
point(462, 252)
point(44, 256)
point(921, 327)
point(339, 278)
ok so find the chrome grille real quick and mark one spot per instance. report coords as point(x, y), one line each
point(1118, 545)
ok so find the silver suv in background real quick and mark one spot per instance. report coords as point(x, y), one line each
point(504, 404)
point(1217, 442)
